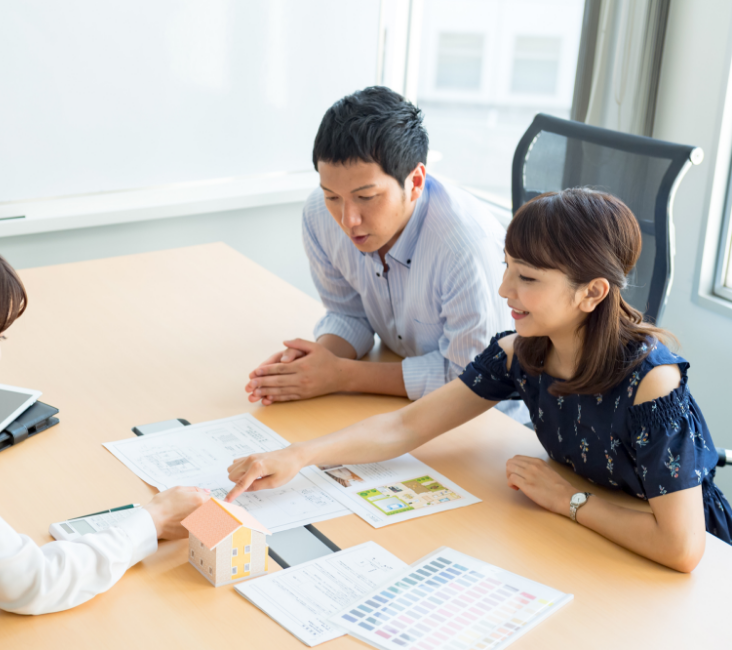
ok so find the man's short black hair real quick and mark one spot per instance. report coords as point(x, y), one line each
point(373, 125)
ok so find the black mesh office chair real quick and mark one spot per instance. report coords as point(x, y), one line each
point(556, 154)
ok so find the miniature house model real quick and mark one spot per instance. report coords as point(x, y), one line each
point(226, 544)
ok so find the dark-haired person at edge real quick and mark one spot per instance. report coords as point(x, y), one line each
point(607, 397)
point(61, 575)
point(394, 252)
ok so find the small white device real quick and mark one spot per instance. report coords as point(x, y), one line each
point(72, 529)
point(156, 427)
point(14, 401)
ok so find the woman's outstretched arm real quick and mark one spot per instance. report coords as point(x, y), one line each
point(372, 440)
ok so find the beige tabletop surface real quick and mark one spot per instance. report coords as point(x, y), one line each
point(125, 341)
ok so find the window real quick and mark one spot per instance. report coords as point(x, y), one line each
point(246, 568)
point(723, 277)
point(193, 553)
point(536, 65)
point(210, 571)
point(234, 570)
point(201, 561)
point(459, 61)
point(247, 549)
point(235, 551)
point(483, 70)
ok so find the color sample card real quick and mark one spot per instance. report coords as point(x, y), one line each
point(450, 601)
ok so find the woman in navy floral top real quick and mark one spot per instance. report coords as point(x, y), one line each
point(606, 396)
point(647, 449)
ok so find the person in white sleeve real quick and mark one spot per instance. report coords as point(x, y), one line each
point(61, 575)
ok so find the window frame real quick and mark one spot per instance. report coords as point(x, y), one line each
point(398, 67)
point(724, 252)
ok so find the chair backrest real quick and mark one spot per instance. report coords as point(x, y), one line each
point(556, 154)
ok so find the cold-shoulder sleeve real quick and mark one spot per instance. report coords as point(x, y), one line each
point(487, 374)
point(674, 449)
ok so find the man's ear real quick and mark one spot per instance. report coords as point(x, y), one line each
point(593, 294)
point(416, 181)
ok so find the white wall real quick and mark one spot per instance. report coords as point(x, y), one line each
point(693, 83)
point(270, 236)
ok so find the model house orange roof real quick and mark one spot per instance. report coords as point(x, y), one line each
point(215, 520)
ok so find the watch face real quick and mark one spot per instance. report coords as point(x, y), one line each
point(578, 499)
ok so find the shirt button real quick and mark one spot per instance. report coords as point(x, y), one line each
point(399, 336)
point(409, 261)
point(378, 275)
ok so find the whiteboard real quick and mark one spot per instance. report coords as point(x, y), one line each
point(110, 95)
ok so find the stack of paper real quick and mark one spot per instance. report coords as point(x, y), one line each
point(446, 600)
point(302, 597)
point(453, 601)
point(199, 455)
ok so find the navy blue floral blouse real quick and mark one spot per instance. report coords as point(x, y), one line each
point(647, 450)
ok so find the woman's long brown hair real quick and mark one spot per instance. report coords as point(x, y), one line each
point(586, 235)
point(13, 298)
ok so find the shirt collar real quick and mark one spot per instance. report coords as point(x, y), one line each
point(403, 250)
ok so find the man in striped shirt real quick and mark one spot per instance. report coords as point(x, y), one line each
point(394, 252)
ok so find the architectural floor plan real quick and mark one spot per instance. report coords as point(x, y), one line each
point(200, 455)
point(411, 494)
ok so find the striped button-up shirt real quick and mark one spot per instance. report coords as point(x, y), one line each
point(437, 305)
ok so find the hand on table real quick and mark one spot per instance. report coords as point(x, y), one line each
point(305, 369)
point(540, 483)
point(264, 471)
point(170, 507)
point(283, 356)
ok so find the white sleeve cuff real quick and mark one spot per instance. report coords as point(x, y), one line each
point(140, 529)
point(424, 374)
point(356, 331)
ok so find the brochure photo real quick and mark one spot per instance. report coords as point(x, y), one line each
point(391, 491)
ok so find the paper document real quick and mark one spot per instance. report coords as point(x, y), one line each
point(200, 454)
point(391, 491)
point(302, 597)
point(450, 600)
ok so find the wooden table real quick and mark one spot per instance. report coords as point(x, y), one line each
point(131, 340)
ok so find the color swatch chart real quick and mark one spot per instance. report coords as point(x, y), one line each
point(453, 601)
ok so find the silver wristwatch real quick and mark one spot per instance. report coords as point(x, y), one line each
point(577, 501)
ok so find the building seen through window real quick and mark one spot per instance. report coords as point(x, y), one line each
point(486, 67)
